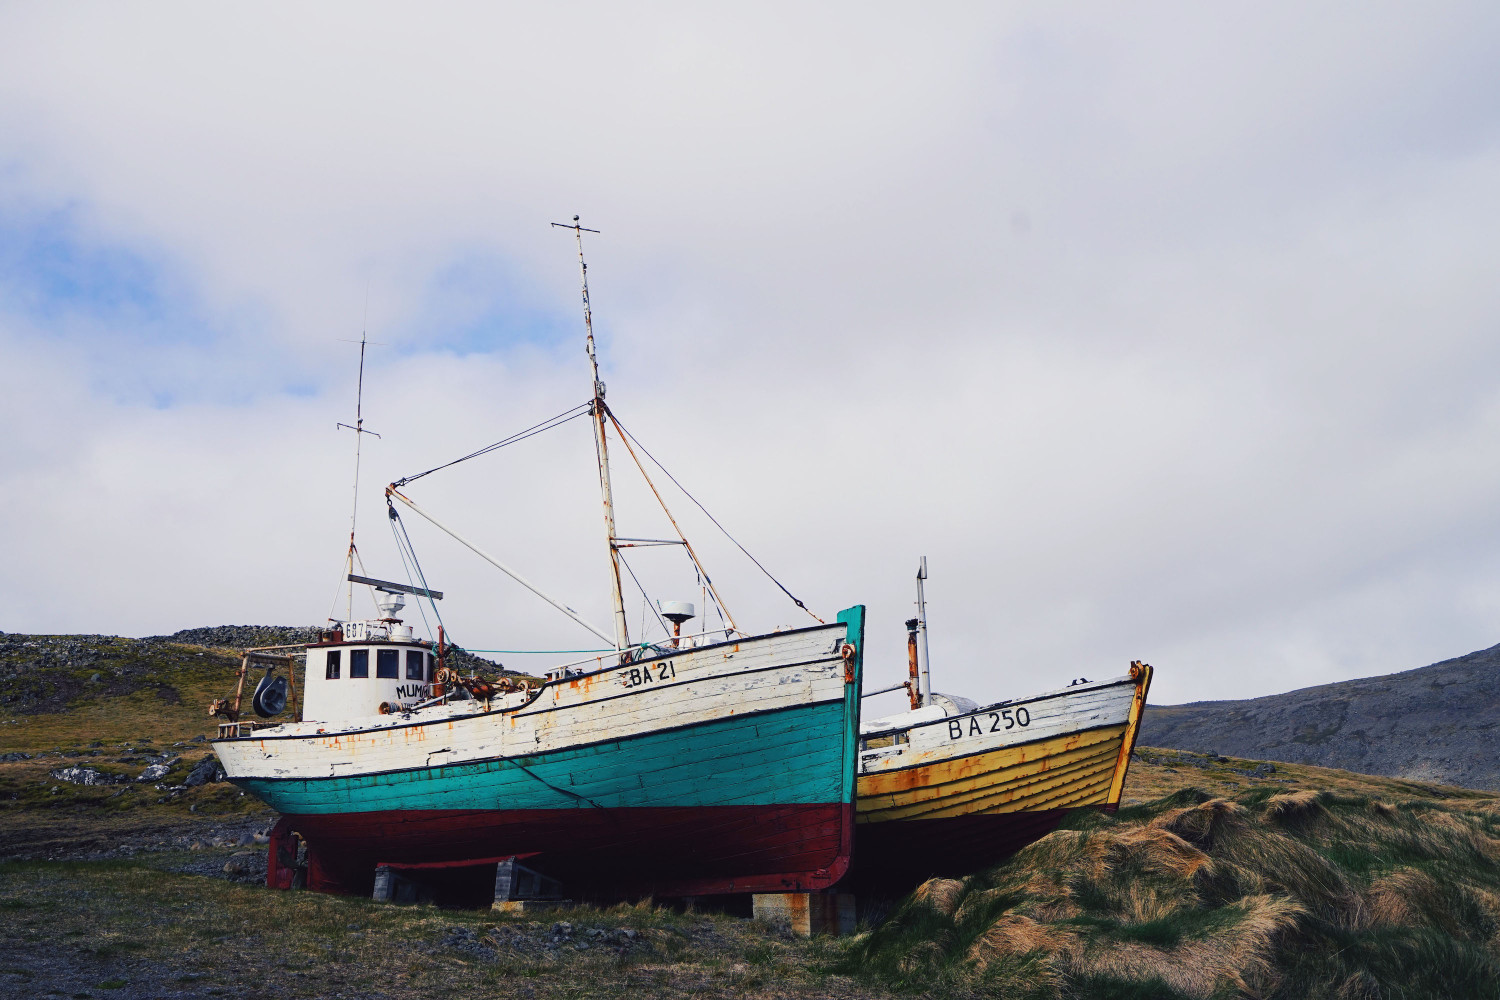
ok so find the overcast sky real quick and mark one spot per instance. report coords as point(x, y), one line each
point(1170, 334)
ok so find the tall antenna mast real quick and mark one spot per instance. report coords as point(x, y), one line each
point(358, 427)
point(599, 412)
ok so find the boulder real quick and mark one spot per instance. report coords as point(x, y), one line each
point(205, 771)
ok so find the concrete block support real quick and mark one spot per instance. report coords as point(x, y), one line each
point(393, 885)
point(807, 913)
point(385, 889)
point(519, 889)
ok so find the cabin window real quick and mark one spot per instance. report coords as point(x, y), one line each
point(414, 667)
point(359, 663)
point(387, 662)
point(889, 740)
point(331, 671)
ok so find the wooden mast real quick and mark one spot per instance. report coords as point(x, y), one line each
point(601, 445)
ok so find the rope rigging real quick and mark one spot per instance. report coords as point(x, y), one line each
point(647, 599)
point(632, 438)
point(580, 410)
point(405, 548)
point(408, 552)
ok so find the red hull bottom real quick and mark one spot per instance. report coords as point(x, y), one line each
point(596, 853)
point(897, 856)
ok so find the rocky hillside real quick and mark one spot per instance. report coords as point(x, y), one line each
point(1436, 723)
point(47, 673)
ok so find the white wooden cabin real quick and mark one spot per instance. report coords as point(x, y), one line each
point(364, 668)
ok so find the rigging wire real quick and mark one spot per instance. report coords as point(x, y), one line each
point(686, 545)
point(546, 425)
point(711, 600)
point(661, 621)
point(715, 521)
point(401, 551)
point(360, 562)
point(412, 551)
point(562, 418)
point(395, 517)
point(351, 559)
point(338, 588)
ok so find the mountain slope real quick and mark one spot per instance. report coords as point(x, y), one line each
point(1436, 723)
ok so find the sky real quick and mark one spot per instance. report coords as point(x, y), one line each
point(1170, 334)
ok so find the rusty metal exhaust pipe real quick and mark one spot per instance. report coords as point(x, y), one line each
point(914, 684)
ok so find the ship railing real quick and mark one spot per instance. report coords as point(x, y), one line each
point(236, 730)
point(566, 670)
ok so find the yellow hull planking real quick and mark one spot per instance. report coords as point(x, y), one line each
point(1059, 773)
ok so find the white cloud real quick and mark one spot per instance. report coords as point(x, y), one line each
point(1165, 336)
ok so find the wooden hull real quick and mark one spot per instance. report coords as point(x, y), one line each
point(955, 795)
point(731, 771)
point(896, 857)
point(607, 854)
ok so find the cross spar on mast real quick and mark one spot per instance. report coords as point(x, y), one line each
point(598, 411)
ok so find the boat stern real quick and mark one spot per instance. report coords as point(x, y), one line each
point(1141, 673)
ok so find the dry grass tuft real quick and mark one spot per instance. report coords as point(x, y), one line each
point(1239, 956)
point(1158, 850)
point(1200, 824)
point(942, 894)
point(1290, 807)
point(1015, 934)
point(1402, 897)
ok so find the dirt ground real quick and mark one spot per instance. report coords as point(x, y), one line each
point(161, 926)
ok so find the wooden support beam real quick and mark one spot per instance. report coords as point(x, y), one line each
point(807, 913)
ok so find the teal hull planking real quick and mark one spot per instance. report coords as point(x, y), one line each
point(793, 755)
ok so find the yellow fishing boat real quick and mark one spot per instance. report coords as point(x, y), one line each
point(951, 787)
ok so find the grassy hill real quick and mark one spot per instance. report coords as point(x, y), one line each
point(56, 689)
point(1332, 886)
